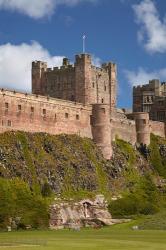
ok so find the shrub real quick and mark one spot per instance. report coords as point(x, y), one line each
point(17, 201)
point(144, 200)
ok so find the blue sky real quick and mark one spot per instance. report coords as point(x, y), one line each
point(131, 33)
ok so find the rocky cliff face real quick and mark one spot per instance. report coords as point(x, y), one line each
point(71, 166)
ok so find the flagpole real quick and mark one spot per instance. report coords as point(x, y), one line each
point(83, 38)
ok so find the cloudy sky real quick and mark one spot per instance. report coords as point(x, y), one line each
point(131, 33)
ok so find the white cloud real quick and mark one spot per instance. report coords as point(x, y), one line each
point(142, 76)
point(37, 8)
point(153, 30)
point(16, 60)
point(15, 64)
point(96, 61)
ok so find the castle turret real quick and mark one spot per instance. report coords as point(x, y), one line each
point(38, 80)
point(112, 71)
point(83, 78)
point(101, 128)
point(142, 127)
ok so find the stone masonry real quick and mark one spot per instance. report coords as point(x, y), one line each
point(77, 99)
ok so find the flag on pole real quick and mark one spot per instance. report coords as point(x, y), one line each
point(83, 37)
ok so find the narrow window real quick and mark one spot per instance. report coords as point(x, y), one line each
point(19, 107)
point(44, 111)
point(93, 84)
point(55, 118)
point(66, 115)
point(2, 123)
point(103, 110)
point(105, 88)
point(6, 105)
point(102, 100)
point(91, 120)
point(6, 108)
point(77, 117)
point(9, 123)
point(32, 109)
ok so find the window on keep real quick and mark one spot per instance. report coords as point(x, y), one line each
point(32, 109)
point(6, 105)
point(9, 123)
point(44, 111)
point(19, 107)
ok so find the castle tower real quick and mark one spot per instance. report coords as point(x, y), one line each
point(112, 71)
point(142, 127)
point(38, 79)
point(101, 128)
point(83, 78)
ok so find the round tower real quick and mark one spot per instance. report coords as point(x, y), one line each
point(101, 129)
point(142, 127)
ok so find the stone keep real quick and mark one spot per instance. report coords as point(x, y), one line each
point(81, 82)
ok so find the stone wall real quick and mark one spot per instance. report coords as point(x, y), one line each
point(33, 113)
point(157, 128)
point(122, 128)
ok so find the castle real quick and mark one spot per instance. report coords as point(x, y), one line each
point(151, 98)
point(76, 99)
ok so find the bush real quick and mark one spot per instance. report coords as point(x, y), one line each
point(18, 201)
point(144, 200)
point(131, 205)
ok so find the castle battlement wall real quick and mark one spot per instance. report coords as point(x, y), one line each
point(34, 113)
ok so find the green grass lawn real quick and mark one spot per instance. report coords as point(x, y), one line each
point(109, 238)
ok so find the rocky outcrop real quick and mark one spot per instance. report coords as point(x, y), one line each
point(69, 214)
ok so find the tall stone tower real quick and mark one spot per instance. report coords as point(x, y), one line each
point(112, 72)
point(38, 77)
point(83, 78)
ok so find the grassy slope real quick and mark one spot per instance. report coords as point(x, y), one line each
point(73, 166)
point(158, 162)
point(115, 237)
